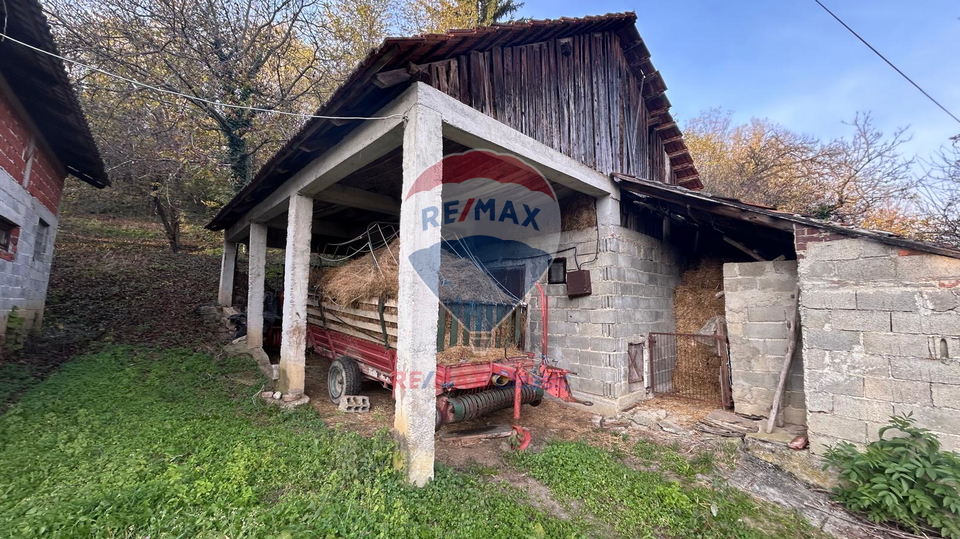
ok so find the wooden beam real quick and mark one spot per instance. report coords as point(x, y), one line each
point(665, 125)
point(358, 198)
point(787, 360)
point(745, 249)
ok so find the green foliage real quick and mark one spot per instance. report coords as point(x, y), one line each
point(670, 459)
point(136, 442)
point(905, 479)
point(644, 504)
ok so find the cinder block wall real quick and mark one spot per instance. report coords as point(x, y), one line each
point(633, 280)
point(28, 194)
point(881, 336)
point(759, 296)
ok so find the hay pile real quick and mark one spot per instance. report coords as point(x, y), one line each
point(376, 275)
point(695, 300)
point(577, 212)
point(361, 282)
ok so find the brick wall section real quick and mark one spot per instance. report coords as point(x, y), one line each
point(874, 320)
point(24, 273)
point(633, 280)
point(759, 296)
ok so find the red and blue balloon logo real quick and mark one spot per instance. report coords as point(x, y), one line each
point(499, 225)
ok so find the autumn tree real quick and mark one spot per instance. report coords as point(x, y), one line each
point(862, 179)
point(437, 16)
point(262, 54)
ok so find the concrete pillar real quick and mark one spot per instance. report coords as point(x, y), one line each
point(256, 271)
point(296, 276)
point(227, 267)
point(417, 305)
point(608, 211)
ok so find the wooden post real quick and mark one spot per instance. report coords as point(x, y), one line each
point(792, 334)
point(227, 266)
point(256, 273)
point(417, 305)
point(296, 276)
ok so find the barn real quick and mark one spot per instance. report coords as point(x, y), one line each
point(44, 137)
point(648, 279)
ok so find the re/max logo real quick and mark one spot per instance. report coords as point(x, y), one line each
point(481, 209)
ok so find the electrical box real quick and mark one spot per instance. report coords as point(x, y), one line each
point(578, 283)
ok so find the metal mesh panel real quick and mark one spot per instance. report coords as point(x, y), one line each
point(690, 366)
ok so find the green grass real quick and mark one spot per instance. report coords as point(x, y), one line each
point(14, 378)
point(133, 442)
point(646, 504)
point(148, 442)
point(670, 459)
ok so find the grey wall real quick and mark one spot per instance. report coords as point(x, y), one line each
point(759, 296)
point(874, 317)
point(633, 279)
point(23, 282)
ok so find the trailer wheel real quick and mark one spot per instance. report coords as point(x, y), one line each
point(343, 379)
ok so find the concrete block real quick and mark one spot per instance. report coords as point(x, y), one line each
point(896, 344)
point(926, 370)
point(891, 299)
point(902, 391)
point(752, 269)
point(941, 323)
point(837, 384)
point(767, 330)
point(834, 250)
point(938, 419)
point(946, 396)
point(819, 339)
point(866, 409)
point(840, 428)
point(355, 403)
point(927, 267)
point(828, 299)
point(865, 270)
point(860, 320)
point(940, 300)
point(819, 401)
point(902, 322)
point(773, 313)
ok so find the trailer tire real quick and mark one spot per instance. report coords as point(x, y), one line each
point(343, 378)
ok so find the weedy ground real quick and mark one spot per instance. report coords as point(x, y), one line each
point(148, 431)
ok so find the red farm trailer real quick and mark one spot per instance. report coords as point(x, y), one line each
point(464, 391)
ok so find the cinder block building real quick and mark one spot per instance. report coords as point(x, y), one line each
point(44, 137)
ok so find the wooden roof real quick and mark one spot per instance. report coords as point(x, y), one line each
point(358, 96)
point(40, 83)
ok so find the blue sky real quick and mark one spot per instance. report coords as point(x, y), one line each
point(791, 62)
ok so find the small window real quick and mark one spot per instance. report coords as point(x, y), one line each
point(557, 274)
point(43, 237)
point(6, 235)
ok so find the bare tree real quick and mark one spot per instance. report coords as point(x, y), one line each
point(265, 54)
point(941, 193)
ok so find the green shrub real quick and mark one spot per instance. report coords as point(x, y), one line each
point(906, 479)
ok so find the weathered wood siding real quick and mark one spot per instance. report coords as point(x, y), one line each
point(576, 94)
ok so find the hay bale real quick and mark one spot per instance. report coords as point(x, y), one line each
point(577, 212)
point(457, 355)
point(697, 371)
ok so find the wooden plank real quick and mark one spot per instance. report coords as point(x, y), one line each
point(454, 330)
point(787, 360)
point(441, 327)
point(333, 307)
point(333, 319)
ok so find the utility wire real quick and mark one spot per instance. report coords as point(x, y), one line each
point(3, 37)
point(884, 58)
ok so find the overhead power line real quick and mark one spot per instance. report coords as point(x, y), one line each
point(884, 58)
point(195, 98)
